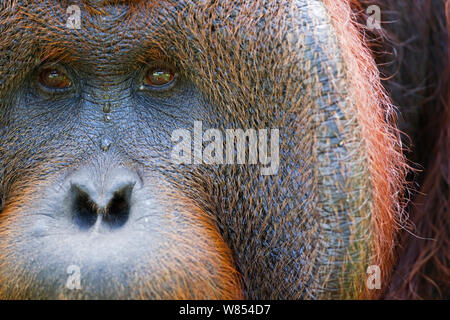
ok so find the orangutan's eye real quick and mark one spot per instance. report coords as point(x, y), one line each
point(54, 79)
point(160, 78)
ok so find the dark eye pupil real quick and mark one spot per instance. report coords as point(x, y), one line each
point(159, 77)
point(53, 78)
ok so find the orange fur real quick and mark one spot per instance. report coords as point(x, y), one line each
point(375, 114)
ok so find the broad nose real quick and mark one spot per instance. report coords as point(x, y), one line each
point(102, 202)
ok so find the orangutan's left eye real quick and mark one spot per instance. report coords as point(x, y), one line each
point(160, 78)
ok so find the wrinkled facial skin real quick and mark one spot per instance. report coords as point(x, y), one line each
point(80, 189)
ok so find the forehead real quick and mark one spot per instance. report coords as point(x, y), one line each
point(187, 33)
point(81, 28)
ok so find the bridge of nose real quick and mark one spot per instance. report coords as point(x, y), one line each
point(101, 188)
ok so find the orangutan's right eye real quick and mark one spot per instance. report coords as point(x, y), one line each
point(54, 79)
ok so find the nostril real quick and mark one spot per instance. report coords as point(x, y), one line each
point(84, 209)
point(103, 205)
point(118, 209)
